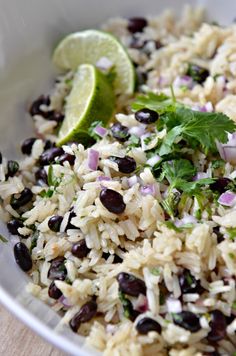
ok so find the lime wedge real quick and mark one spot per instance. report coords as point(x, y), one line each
point(89, 47)
point(91, 99)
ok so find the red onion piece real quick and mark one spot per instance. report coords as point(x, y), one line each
point(132, 181)
point(183, 81)
point(173, 305)
point(149, 189)
point(228, 199)
point(201, 175)
point(153, 160)
point(103, 178)
point(141, 303)
point(64, 301)
point(93, 158)
point(104, 64)
point(227, 150)
point(187, 219)
point(137, 130)
point(100, 131)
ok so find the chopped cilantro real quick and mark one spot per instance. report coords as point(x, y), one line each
point(234, 305)
point(91, 130)
point(134, 141)
point(34, 240)
point(231, 255)
point(155, 271)
point(3, 239)
point(157, 102)
point(218, 163)
point(232, 233)
point(127, 305)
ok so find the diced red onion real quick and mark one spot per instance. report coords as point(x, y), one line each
point(187, 219)
point(93, 158)
point(137, 130)
point(228, 199)
point(104, 64)
point(208, 107)
point(148, 189)
point(201, 175)
point(163, 81)
point(227, 150)
point(141, 303)
point(64, 301)
point(103, 178)
point(183, 81)
point(100, 131)
point(153, 160)
point(132, 181)
point(173, 305)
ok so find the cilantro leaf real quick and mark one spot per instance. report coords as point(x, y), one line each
point(203, 127)
point(179, 169)
point(190, 187)
point(157, 102)
point(3, 239)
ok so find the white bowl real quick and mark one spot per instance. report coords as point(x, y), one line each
point(28, 33)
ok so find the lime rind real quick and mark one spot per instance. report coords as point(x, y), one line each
point(91, 99)
point(88, 47)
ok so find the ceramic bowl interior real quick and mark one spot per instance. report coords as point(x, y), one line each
point(29, 31)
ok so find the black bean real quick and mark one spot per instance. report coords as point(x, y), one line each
point(80, 249)
point(189, 284)
point(146, 116)
point(86, 313)
point(220, 185)
point(25, 197)
point(54, 292)
point(136, 24)
point(136, 43)
point(142, 77)
point(197, 73)
point(220, 236)
point(69, 224)
point(13, 226)
point(117, 259)
point(12, 168)
point(54, 223)
point(112, 200)
point(187, 320)
point(35, 108)
point(0, 158)
point(120, 132)
point(131, 285)
point(213, 353)
point(22, 256)
point(49, 155)
point(125, 164)
point(41, 177)
point(66, 157)
point(27, 145)
point(147, 324)
point(57, 269)
point(49, 144)
point(218, 326)
point(57, 116)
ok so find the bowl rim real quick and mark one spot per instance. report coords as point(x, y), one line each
point(34, 323)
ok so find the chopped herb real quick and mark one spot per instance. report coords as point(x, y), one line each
point(155, 271)
point(216, 76)
point(231, 255)
point(134, 141)
point(91, 130)
point(232, 233)
point(3, 239)
point(162, 298)
point(158, 102)
point(218, 163)
point(148, 139)
point(234, 305)
point(34, 240)
point(127, 305)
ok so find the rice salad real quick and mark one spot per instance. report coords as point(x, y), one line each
point(131, 238)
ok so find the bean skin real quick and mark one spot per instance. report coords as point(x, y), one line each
point(25, 197)
point(147, 324)
point(146, 116)
point(41, 177)
point(131, 285)
point(80, 249)
point(0, 158)
point(218, 325)
point(66, 157)
point(57, 269)
point(120, 132)
point(187, 320)
point(27, 145)
point(35, 107)
point(220, 185)
point(112, 201)
point(69, 224)
point(49, 155)
point(54, 223)
point(125, 164)
point(189, 284)
point(13, 226)
point(86, 313)
point(199, 74)
point(53, 291)
point(12, 168)
point(22, 256)
point(136, 24)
